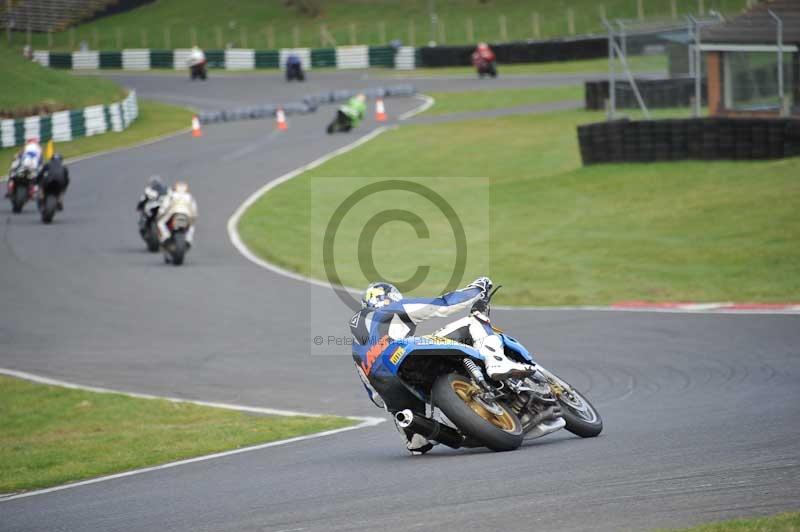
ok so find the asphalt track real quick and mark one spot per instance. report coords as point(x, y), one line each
point(702, 411)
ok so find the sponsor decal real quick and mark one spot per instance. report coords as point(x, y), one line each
point(397, 355)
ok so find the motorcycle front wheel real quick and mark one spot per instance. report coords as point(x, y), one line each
point(581, 416)
point(493, 425)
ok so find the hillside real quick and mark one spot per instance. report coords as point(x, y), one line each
point(284, 23)
point(31, 89)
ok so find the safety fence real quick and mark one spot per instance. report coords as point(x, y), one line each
point(67, 125)
point(694, 138)
point(656, 93)
point(309, 104)
point(342, 57)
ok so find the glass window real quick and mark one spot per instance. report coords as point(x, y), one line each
point(751, 80)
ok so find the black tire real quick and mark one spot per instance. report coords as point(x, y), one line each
point(19, 199)
point(581, 416)
point(179, 248)
point(469, 421)
point(49, 208)
point(151, 238)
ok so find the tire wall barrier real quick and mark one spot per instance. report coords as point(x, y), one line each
point(656, 93)
point(67, 125)
point(342, 57)
point(695, 138)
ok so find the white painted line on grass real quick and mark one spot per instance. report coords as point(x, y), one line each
point(364, 423)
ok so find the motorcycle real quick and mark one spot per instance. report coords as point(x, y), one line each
point(48, 200)
point(294, 71)
point(485, 67)
point(198, 71)
point(148, 231)
point(341, 122)
point(19, 190)
point(176, 246)
point(444, 373)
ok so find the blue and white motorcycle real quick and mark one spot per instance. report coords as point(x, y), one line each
point(418, 375)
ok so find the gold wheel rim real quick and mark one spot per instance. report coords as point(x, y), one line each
point(467, 392)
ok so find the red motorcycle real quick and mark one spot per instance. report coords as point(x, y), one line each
point(21, 188)
point(484, 61)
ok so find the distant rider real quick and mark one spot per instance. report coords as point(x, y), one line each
point(385, 316)
point(28, 159)
point(151, 198)
point(196, 56)
point(177, 200)
point(484, 60)
point(355, 109)
point(56, 172)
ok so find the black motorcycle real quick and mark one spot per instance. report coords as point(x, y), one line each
point(341, 122)
point(198, 71)
point(49, 199)
point(148, 231)
point(20, 190)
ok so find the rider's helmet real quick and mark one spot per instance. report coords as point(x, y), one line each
point(379, 295)
point(361, 97)
point(156, 185)
point(57, 158)
point(180, 187)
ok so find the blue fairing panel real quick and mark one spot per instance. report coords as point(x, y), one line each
point(515, 346)
point(396, 352)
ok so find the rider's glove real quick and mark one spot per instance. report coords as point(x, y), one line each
point(483, 283)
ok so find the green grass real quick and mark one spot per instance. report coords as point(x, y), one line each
point(30, 89)
point(51, 435)
point(244, 23)
point(561, 234)
point(457, 102)
point(637, 63)
point(787, 522)
point(155, 119)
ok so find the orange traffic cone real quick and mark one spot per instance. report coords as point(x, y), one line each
point(196, 131)
point(380, 111)
point(280, 119)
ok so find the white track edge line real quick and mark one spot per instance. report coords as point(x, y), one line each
point(365, 422)
point(428, 101)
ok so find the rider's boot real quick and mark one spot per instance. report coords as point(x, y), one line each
point(415, 443)
point(498, 365)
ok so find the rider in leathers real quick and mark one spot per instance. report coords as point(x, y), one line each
point(387, 316)
point(177, 200)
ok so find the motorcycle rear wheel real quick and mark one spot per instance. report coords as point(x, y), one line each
point(455, 395)
point(19, 199)
point(49, 208)
point(179, 248)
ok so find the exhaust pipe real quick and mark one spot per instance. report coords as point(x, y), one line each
point(547, 421)
point(429, 428)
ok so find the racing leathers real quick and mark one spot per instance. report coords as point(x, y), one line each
point(57, 173)
point(150, 200)
point(354, 109)
point(176, 202)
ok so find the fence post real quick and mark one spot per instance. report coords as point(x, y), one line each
point(470, 30)
point(640, 9)
point(271, 37)
point(382, 32)
point(193, 36)
point(72, 38)
point(28, 35)
point(571, 21)
point(442, 34)
point(503, 28)
point(296, 36)
point(701, 9)
point(673, 8)
point(602, 9)
point(118, 32)
point(243, 37)
point(144, 37)
point(167, 38)
point(412, 33)
point(537, 29)
point(218, 35)
point(50, 38)
point(352, 29)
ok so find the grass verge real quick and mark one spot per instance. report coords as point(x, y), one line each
point(51, 435)
point(457, 102)
point(560, 233)
point(30, 89)
point(787, 522)
point(155, 119)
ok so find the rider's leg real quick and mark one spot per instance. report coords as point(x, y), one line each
point(163, 231)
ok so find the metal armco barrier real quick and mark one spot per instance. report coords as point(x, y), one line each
point(695, 138)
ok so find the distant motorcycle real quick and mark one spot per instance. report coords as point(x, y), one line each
point(176, 246)
point(486, 68)
point(20, 189)
point(198, 71)
point(341, 122)
point(294, 69)
point(148, 232)
point(48, 200)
